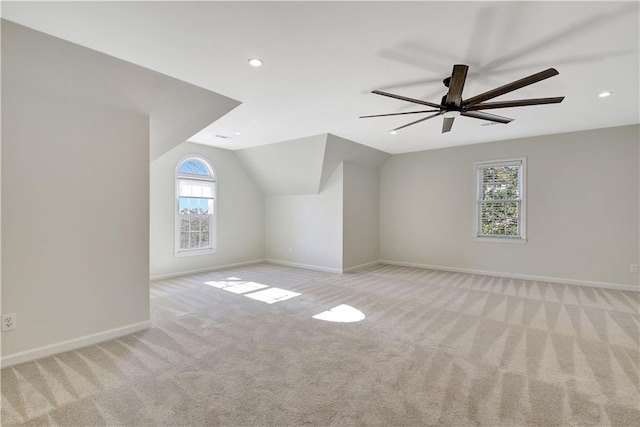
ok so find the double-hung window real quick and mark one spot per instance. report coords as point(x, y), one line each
point(500, 201)
point(195, 207)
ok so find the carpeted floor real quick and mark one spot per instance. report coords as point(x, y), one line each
point(435, 348)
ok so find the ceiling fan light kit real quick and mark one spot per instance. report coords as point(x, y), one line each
point(452, 104)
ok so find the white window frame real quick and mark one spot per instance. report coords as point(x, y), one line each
point(477, 168)
point(211, 249)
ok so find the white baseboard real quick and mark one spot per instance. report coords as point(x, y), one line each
point(204, 270)
point(361, 266)
point(618, 286)
point(307, 266)
point(72, 344)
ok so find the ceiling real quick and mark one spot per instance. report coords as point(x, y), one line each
point(175, 109)
point(322, 60)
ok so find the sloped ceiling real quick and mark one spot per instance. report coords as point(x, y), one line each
point(176, 109)
point(303, 166)
point(289, 167)
point(342, 150)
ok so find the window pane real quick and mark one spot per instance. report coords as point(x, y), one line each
point(204, 239)
point(500, 183)
point(512, 215)
point(204, 223)
point(194, 221)
point(184, 240)
point(183, 205)
point(184, 223)
point(194, 239)
point(500, 191)
point(194, 167)
point(500, 218)
point(195, 188)
point(203, 206)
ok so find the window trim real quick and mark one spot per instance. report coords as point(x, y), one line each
point(522, 238)
point(213, 230)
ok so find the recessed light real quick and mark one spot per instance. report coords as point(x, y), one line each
point(255, 62)
point(393, 132)
point(604, 94)
point(237, 133)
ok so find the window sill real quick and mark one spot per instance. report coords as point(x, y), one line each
point(508, 240)
point(194, 252)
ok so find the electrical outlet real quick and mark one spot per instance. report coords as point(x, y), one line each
point(633, 268)
point(8, 322)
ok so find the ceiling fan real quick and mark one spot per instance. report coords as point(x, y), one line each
point(452, 104)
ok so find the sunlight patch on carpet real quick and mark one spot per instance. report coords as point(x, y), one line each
point(342, 313)
point(273, 295)
point(233, 284)
point(220, 284)
point(242, 288)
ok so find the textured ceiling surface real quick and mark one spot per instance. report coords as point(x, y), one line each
point(322, 60)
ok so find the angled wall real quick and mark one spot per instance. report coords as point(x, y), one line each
point(177, 109)
point(340, 150)
point(306, 230)
point(287, 168)
point(334, 225)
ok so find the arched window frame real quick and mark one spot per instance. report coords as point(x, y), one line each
point(211, 247)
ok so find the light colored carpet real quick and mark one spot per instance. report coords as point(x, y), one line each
point(435, 348)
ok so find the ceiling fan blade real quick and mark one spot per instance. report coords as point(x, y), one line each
point(399, 114)
point(417, 121)
point(404, 98)
point(486, 116)
point(446, 124)
point(510, 87)
point(517, 103)
point(458, 77)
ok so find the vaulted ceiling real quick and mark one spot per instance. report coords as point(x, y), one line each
point(322, 60)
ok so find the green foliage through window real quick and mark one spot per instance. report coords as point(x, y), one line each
point(499, 200)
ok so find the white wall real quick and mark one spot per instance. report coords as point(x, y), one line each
point(333, 229)
point(75, 209)
point(582, 207)
point(361, 214)
point(240, 215)
point(289, 167)
point(307, 229)
point(176, 109)
point(343, 150)
point(0, 186)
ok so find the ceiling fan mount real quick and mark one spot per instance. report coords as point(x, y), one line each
point(452, 104)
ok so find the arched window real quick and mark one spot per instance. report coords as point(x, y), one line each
point(195, 207)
